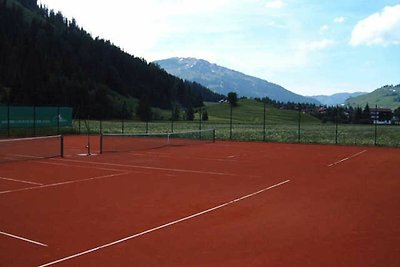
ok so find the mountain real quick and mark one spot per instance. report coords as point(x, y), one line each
point(45, 59)
point(387, 96)
point(223, 80)
point(336, 99)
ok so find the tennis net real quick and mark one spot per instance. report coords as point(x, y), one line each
point(31, 148)
point(132, 142)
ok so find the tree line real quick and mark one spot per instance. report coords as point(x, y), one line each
point(46, 59)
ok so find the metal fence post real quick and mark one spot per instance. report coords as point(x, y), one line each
point(34, 120)
point(336, 126)
point(8, 120)
point(230, 131)
point(58, 119)
point(264, 128)
point(298, 131)
point(172, 120)
point(376, 125)
point(200, 118)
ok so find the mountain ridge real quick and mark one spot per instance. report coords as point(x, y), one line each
point(223, 80)
point(336, 99)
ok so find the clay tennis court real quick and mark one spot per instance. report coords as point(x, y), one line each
point(215, 204)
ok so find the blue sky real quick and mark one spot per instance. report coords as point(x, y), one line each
point(308, 46)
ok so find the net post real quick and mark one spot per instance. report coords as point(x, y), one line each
point(62, 145)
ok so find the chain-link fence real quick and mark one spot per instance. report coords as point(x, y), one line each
point(246, 124)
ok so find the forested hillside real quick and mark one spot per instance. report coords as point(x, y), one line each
point(46, 59)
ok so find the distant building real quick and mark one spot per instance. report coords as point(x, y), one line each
point(381, 115)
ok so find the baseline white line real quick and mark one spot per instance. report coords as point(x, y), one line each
point(19, 181)
point(63, 183)
point(151, 168)
point(23, 239)
point(350, 157)
point(163, 226)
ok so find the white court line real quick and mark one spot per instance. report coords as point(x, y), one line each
point(19, 181)
point(23, 239)
point(150, 168)
point(193, 158)
point(79, 166)
point(349, 157)
point(63, 183)
point(163, 226)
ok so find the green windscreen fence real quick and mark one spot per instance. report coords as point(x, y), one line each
point(31, 120)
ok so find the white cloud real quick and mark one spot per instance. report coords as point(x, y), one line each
point(275, 4)
point(381, 28)
point(339, 20)
point(320, 45)
point(324, 28)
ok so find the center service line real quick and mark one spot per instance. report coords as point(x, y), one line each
point(164, 225)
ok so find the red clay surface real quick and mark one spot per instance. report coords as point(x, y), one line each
point(338, 206)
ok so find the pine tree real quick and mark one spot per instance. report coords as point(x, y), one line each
point(143, 110)
point(204, 116)
point(232, 99)
point(190, 114)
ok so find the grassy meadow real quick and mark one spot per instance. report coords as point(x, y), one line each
point(248, 125)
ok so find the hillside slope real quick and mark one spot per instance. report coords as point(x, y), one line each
point(47, 60)
point(252, 111)
point(223, 80)
point(386, 97)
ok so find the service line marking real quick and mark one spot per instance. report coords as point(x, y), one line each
point(64, 183)
point(164, 225)
point(23, 239)
point(79, 166)
point(151, 168)
point(349, 157)
point(19, 181)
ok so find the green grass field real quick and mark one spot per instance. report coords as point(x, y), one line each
point(248, 125)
